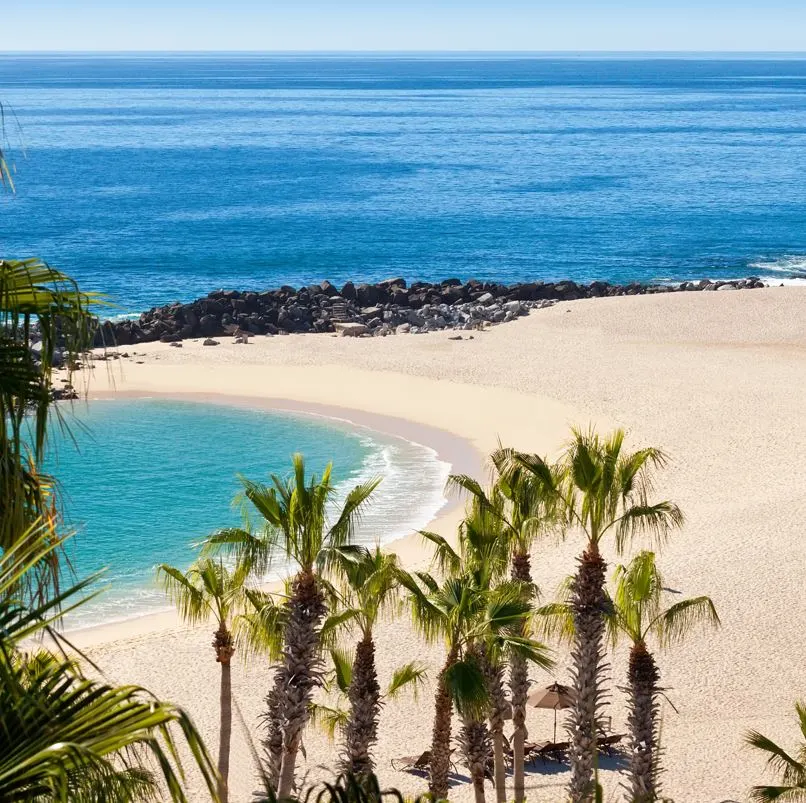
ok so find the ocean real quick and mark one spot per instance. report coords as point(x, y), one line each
point(142, 482)
point(163, 177)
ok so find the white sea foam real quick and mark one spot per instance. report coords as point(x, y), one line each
point(790, 269)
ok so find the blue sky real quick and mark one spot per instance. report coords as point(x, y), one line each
point(403, 25)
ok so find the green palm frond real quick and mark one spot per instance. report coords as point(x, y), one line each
point(446, 559)
point(208, 588)
point(41, 309)
point(294, 521)
point(411, 676)
point(555, 620)
point(656, 520)
point(260, 627)
point(329, 719)
point(680, 619)
point(791, 769)
point(467, 687)
point(342, 668)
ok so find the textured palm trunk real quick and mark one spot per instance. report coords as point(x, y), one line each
point(224, 647)
point(519, 689)
point(588, 603)
point(300, 671)
point(441, 736)
point(475, 740)
point(494, 677)
point(643, 706)
point(361, 731)
point(273, 743)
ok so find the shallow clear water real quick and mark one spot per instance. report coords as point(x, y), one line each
point(150, 478)
point(161, 178)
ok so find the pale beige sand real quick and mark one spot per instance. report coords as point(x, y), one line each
point(717, 379)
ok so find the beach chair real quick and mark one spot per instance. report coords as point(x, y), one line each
point(419, 763)
point(554, 751)
point(531, 751)
point(608, 744)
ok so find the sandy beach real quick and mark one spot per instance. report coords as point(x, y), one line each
point(716, 379)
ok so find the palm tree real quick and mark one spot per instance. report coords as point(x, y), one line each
point(604, 491)
point(297, 527)
point(333, 718)
point(479, 622)
point(208, 589)
point(521, 506)
point(638, 613)
point(67, 737)
point(369, 579)
point(792, 769)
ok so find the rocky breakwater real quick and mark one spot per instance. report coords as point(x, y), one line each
point(385, 308)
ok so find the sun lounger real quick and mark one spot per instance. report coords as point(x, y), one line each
point(419, 763)
point(556, 751)
point(607, 744)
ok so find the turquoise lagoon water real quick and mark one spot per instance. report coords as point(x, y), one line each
point(159, 178)
point(147, 479)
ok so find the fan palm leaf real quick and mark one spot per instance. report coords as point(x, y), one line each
point(791, 769)
point(64, 735)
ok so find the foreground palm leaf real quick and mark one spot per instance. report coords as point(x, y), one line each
point(64, 735)
point(42, 313)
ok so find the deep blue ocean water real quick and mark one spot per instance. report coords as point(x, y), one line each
point(162, 178)
point(146, 480)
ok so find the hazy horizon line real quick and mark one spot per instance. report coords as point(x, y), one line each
point(414, 52)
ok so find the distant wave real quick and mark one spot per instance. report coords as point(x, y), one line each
point(784, 270)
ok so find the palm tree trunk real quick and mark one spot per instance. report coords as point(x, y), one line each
point(519, 689)
point(494, 676)
point(642, 705)
point(273, 743)
point(441, 736)
point(475, 740)
point(361, 731)
point(224, 647)
point(300, 671)
point(588, 603)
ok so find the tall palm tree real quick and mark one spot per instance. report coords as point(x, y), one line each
point(471, 616)
point(301, 526)
point(605, 492)
point(209, 590)
point(638, 614)
point(523, 503)
point(333, 718)
point(791, 768)
point(370, 589)
point(64, 736)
